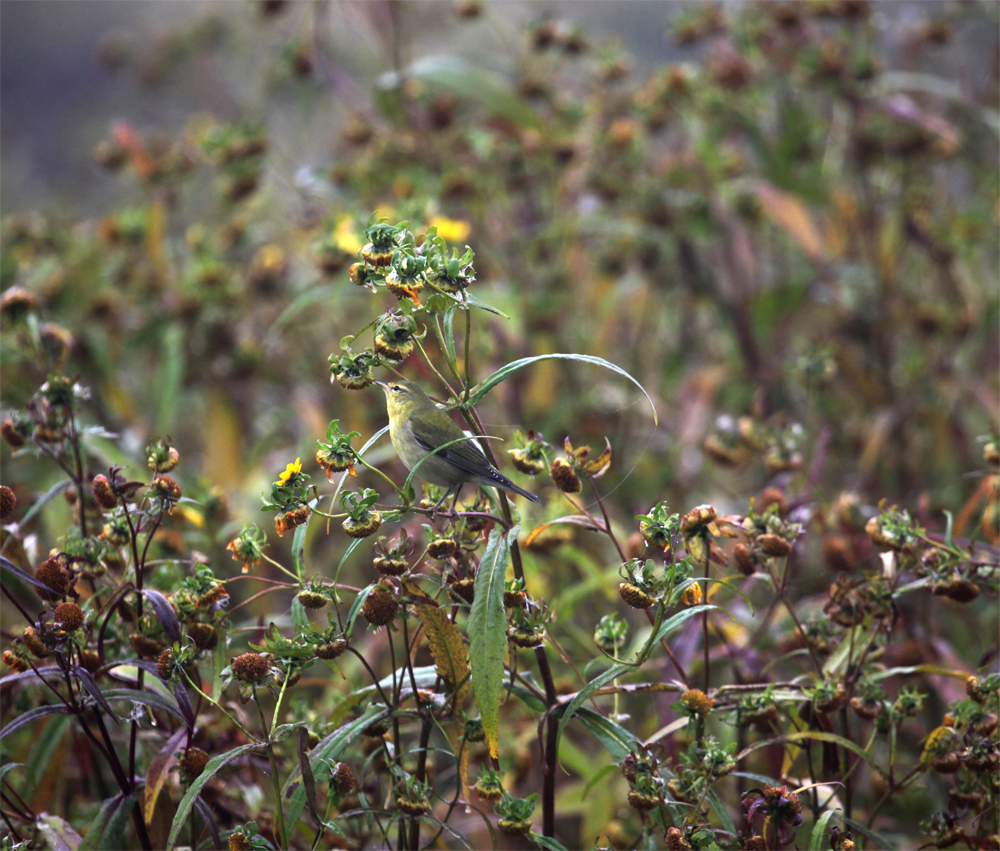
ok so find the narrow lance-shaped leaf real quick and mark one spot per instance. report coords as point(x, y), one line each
point(481, 389)
point(488, 633)
point(187, 802)
point(159, 771)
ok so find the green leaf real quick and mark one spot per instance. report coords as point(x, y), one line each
point(547, 842)
point(168, 382)
point(720, 811)
point(448, 333)
point(211, 768)
point(816, 842)
point(881, 841)
point(488, 633)
point(58, 834)
point(355, 609)
point(670, 624)
point(108, 827)
point(614, 737)
point(300, 620)
point(298, 549)
point(484, 387)
point(327, 751)
point(584, 694)
point(33, 715)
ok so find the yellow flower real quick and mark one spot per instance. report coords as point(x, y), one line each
point(290, 471)
point(345, 235)
point(451, 230)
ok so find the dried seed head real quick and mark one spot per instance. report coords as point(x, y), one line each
point(32, 640)
point(15, 663)
point(697, 519)
point(463, 589)
point(104, 493)
point(331, 650)
point(238, 842)
point(514, 599)
point(166, 488)
point(692, 596)
point(697, 701)
point(165, 664)
point(642, 801)
point(193, 762)
point(514, 827)
point(250, 667)
point(441, 548)
point(53, 574)
point(90, 660)
point(290, 519)
point(69, 616)
point(10, 432)
point(676, 840)
point(380, 606)
point(8, 502)
point(565, 476)
point(144, 646)
point(774, 545)
point(635, 596)
point(364, 527)
point(744, 560)
point(343, 778)
point(312, 599)
point(203, 635)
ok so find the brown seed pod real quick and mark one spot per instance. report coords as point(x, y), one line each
point(342, 778)
point(8, 502)
point(635, 596)
point(69, 616)
point(203, 635)
point(697, 519)
point(165, 664)
point(774, 545)
point(463, 589)
point(565, 476)
point(641, 801)
point(144, 646)
point(380, 606)
point(250, 667)
point(441, 548)
point(33, 641)
point(238, 842)
point(312, 599)
point(193, 762)
point(90, 660)
point(744, 560)
point(331, 650)
point(514, 827)
point(53, 574)
point(103, 492)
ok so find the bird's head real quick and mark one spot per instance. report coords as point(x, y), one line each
point(404, 398)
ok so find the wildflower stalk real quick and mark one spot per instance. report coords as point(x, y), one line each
point(269, 745)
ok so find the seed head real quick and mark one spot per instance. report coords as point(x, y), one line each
point(744, 560)
point(565, 476)
point(104, 493)
point(193, 762)
point(32, 640)
point(164, 487)
point(343, 778)
point(14, 662)
point(8, 502)
point(697, 702)
point(697, 519)
point(250, 667)
point(145, 646)
point(441, 548)
point(90, 660)
point(312, 599)
point(380, 606)
point(774, 545)
point(12, 434)
point(53, 574)
point(634, 596)
point(331, 650)
point(203, 635)
point(290, 519)
point(69, 616)
point(238, 842)
point(363, 527)
point(165, 664)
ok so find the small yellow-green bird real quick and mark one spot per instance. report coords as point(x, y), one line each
point(417, 427)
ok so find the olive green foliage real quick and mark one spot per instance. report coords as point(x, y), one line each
point(733, 317)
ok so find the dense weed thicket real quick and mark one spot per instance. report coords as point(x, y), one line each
point(733, 319)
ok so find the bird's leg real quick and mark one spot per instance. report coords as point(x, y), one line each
point(454, 503)
point(437, 504)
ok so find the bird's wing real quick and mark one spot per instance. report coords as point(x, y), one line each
point(463, 454)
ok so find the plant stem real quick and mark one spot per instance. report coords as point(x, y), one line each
point(278, 814)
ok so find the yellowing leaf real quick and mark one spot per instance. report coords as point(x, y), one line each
point(447, 649)
point(789, 213)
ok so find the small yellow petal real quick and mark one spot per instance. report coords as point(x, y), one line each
point(451, 230)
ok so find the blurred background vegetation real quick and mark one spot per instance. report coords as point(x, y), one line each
point(781, 218)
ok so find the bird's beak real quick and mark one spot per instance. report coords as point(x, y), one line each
point(382, 384)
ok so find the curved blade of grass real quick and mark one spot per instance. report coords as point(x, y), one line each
point(34, 715)
point(672, 623)
point(818, 735)
point(484, 387)
point(570, 709)
point(614, 737)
